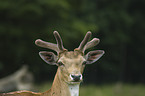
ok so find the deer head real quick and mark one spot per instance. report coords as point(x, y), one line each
point(70, 63)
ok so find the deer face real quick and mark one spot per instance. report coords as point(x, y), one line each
point(71, 67)
point(70, 64)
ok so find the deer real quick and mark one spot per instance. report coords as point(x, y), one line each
point(22, 79)
point(70, 64)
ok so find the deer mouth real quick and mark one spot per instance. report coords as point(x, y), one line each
point(74, 82)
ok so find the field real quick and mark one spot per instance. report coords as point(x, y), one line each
point(107, 90)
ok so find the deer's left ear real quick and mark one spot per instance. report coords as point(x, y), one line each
point(48, 57)
point(93, 56)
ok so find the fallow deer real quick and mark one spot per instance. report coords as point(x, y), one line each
point(20, 80)
point(70, 66)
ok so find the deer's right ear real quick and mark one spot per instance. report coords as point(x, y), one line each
point(93, 56)
point(48, 57)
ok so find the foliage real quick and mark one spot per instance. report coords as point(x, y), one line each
point(119, 25)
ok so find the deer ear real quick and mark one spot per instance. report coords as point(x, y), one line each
point(48, 57)
point(93, 56)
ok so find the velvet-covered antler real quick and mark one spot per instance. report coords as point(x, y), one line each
point(56, 47)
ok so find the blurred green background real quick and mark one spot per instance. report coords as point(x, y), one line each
point(119, 24)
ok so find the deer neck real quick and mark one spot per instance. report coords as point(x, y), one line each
point(61, 88)
point(74, 90)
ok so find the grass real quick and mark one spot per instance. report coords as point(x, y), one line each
point(118, 89)
point(113, 90)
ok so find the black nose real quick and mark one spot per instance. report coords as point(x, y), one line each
point(76, 77)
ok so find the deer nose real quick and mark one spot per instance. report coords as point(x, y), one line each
point(76, 77)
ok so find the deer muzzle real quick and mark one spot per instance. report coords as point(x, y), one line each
point(76, 77)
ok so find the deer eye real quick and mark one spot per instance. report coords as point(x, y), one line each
point(60, 64)
point(85, 62)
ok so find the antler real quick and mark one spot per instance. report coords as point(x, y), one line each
point(85, 44)
point(92, 43)
point(59, 40)
point(56, 47)
point(85, 40)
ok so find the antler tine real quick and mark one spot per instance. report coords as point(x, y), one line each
point(48, 45)
point(92, 43)
point(85, 40)
point(59, 41)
